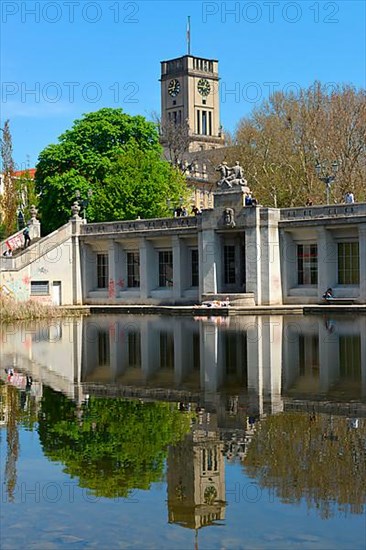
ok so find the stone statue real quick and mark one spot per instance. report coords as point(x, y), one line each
point(224, 173)
point(231, 176)
point(228, 216)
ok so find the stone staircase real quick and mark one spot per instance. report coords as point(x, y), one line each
point(39, 247)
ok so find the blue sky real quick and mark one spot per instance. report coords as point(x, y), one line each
point(60, 59)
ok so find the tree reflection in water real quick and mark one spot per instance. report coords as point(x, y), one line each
point(111, 445)
point(316, 457)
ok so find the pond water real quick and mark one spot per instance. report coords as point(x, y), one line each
point(173, 433)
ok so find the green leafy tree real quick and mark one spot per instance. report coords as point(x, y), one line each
point(111, 445)
point(138, 185)
point(96, 148)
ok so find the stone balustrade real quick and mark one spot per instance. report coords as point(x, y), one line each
point(155, 224)
point(323, 211)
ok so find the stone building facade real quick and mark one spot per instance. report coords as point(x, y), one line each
point(253, 255)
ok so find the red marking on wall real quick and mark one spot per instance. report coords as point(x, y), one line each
point(111, 289)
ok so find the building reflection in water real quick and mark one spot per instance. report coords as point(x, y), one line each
point(236, 372)
point(263, 359)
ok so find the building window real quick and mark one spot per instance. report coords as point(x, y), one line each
point(210, 123)
point(309, 355)
point(229, 264)
point(134, 349)
point(198, 122)
point(133, 269)
point(307, 264)
point(350, 357)
point(166, 268)
point(348, 264)
point(39, 288)
point(166, 350)
point(194, 267)
point(102, 270)
point(204, 123)
point(103, 349)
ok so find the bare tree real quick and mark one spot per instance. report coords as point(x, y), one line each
point(282, 141)
point(175, 139)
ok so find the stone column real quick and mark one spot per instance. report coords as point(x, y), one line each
point(210, 262)
point(117, 268)
point(88, 269)
point(77, 289)
point(362, 256)
point(327, 261)
point(122, 277)
point(149, 269)
point(271, 292)
point(253, 255)
point(178, 267)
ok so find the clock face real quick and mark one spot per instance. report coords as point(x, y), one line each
point(174, 87)
point(204, 87)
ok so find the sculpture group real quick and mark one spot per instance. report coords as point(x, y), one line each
point(231, 176)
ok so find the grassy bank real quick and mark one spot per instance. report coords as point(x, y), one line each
point(10, 310)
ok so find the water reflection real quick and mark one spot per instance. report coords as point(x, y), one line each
point(282, 397)
point(112, 446)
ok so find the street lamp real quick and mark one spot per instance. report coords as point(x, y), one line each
point(84, 203)
point(327, 174)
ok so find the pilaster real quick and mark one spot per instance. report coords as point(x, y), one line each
point(210, 262)
point(270, 257)
point(253, 257)
point(117, 268)
point(148, 268)
point(77, 290)
point(178, 267)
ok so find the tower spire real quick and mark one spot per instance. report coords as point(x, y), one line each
point(189, 34)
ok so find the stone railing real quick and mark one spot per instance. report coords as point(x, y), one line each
point(155, 224)
point(323, 211)
point(37, 250)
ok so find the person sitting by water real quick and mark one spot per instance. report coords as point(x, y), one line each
point(328, 294)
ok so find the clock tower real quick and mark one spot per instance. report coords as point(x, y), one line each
point(190, 94)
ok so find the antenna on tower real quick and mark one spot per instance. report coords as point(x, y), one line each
point(189, 34)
